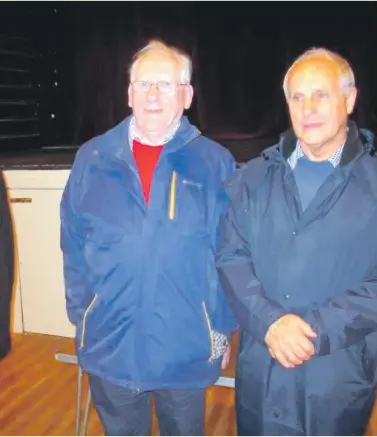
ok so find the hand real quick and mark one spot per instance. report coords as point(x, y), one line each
point(288, 341)
point(226, 357)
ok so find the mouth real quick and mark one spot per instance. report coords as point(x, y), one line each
point(312, 125)
point(153, 111)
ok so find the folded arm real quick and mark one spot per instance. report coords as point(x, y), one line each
point(345, 320)
point(245, 294)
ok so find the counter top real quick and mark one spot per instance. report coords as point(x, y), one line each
point(243, 148)
point(51, 158)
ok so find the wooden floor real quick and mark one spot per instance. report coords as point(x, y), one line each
point(38, 394)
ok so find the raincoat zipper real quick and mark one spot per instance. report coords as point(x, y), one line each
point(209, 330)
point(84, 320)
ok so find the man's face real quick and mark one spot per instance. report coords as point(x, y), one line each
point(318, 108)
point(156, 112)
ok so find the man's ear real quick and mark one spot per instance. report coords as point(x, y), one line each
point(129, 92)
point(189, 94)
point(351, 100)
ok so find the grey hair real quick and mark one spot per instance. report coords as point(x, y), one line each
point(346, 79)
point(158, 46)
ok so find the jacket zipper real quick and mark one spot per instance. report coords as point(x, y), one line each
point(173, 193)
point(209, 330)
point(84, 320)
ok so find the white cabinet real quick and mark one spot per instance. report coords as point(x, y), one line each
point(39, 299)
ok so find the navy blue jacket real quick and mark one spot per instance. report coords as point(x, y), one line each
point(320, 264)
point(141, 281)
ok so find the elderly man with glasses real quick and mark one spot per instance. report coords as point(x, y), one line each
point(138, 234)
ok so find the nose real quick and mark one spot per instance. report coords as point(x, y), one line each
point(152, 92)
point(309, 106)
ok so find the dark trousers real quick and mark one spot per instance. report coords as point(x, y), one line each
point(125, 412)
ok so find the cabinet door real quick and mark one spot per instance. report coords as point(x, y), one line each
point(37, 228)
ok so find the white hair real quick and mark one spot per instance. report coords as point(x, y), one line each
point(158, 46)
point(346, 78)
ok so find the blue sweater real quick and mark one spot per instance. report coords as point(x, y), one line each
point(309, 176)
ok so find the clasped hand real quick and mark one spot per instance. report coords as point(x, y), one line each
point(288, 341)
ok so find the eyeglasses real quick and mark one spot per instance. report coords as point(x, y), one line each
point(162, 86)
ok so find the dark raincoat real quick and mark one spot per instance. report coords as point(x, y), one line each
point(320, 264)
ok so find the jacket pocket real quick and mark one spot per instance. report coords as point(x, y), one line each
point(188, 205)
point(84, 320)
point(210, 331)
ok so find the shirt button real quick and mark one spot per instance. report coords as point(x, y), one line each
point(294, 233)
point(276, 414)
point(287, 296)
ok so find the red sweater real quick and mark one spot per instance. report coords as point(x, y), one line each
point(146, 158)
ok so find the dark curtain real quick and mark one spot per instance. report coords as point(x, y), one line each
point(240, 53)
point(234, 79)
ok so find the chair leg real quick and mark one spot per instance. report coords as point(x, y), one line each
point(78, 401)
point(86, 413)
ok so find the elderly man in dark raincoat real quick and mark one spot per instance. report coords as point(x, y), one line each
point(298, 263)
